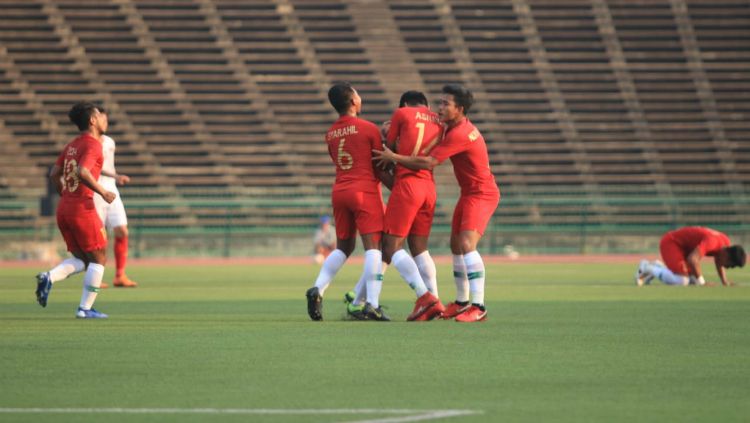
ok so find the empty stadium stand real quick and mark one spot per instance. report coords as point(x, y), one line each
point(608, 112)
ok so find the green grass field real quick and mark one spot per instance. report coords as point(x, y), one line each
point(564, 342)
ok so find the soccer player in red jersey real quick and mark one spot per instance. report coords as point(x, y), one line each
point(356, 198)
point(413, 131)
point(682, 251)
point(75, 175)
point(466, 148)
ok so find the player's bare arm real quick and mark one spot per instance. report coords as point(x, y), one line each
point(694, 263)
point(120, 178)
point(54, 176)
point(89, 180)
point(721, 271)
point(411, 162)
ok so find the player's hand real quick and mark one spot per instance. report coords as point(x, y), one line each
point(382, 157)
point(384, 128)
point(122, 179)
point(109, 196)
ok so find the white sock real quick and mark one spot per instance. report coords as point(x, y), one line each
point(667, 276)
point(409, 271)
point(373, 260)
point(426, 266)
point(475, 274)
point(360, 290)
point(331, 266)
point(91, 283)
point(459, 276)
point(69, 266)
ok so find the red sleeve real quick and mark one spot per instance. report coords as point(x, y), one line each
point(89, 156)
point(450, 146)
point(395, 129)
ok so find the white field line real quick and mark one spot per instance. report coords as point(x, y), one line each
point(431, 415)
point(411, 415)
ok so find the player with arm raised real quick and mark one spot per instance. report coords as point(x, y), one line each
point(75, 175)
point(356, 199)
point(113, 214)
point(466, 148)
point(414, 130)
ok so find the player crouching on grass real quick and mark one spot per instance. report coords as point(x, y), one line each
point(75, 175)
point(682, 251)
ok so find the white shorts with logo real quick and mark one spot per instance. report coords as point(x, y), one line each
point(113, 214)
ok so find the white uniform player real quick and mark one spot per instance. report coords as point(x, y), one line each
point(113, 215)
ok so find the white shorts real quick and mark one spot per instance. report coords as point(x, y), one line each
point(113, 214)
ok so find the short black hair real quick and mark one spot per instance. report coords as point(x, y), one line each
point(413, 98)
point(81, 112)
point(461, 96)
point(737, 256)
point(340, 96)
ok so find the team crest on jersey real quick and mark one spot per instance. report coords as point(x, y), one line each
point(473, 135)
point(72, 151)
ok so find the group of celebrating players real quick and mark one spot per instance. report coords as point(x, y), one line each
point(401, 155)
point(416, 140)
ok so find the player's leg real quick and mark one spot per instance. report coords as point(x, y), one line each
point(369, 220)
point(419, 235)
point(403, 206)
point(118, 220)
point(92, 281)
point(461, 304)
point(373, 275)
point(475, 273)
point(477, 213)
point(68, 267)
point(346, 231)
point(121, 257)
point(92, 239)
point(674, 270)
point(104, 211)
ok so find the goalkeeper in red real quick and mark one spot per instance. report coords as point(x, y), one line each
point(466, 148)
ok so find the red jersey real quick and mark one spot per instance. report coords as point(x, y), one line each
point(350, 144)
point(83, 151)
point(707, 240)
point(417, 130)
point(471, 164)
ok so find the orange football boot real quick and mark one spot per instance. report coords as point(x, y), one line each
point(103, 285)
point(454, 309)
point(434, 312)
point(124, 282)
point(423, 303)
point(473, 314)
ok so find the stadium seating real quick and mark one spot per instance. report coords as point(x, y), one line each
point(219, 106)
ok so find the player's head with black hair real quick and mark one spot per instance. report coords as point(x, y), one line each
point(343, 96)
point(81, 113)
point(413, 99)
point(463, 98)
point(736, 256)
